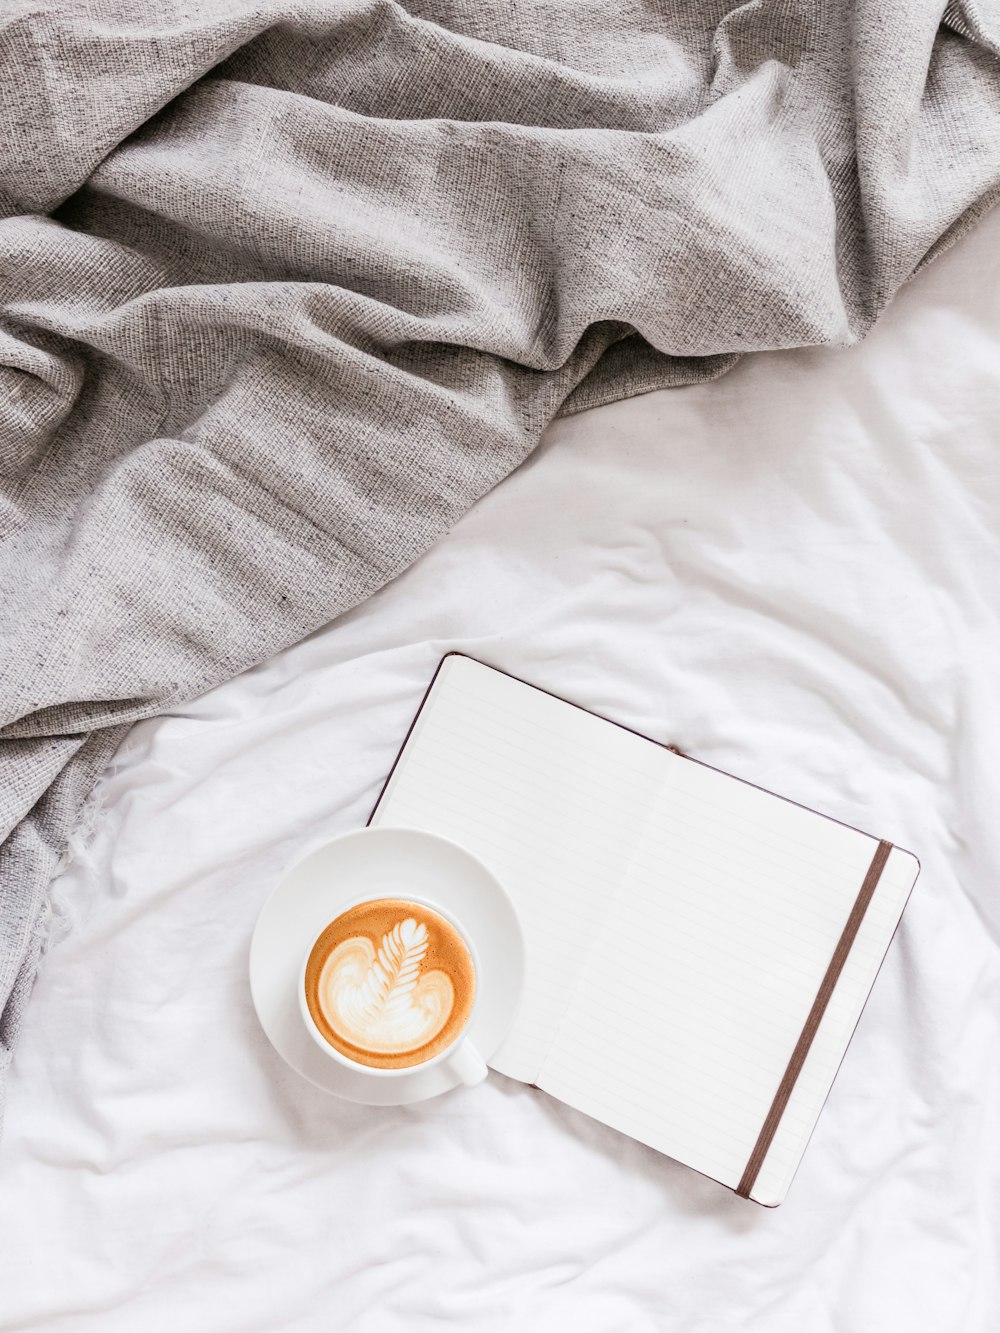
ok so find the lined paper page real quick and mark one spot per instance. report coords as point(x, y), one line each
point(545, 794)
point(695, 990)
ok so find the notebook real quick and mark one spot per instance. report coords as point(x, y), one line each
point(699, 950)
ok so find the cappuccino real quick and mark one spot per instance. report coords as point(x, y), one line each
point(390, 983)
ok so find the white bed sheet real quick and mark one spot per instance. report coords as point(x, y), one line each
point(793, 574)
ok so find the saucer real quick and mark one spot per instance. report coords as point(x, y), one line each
point(383, 862)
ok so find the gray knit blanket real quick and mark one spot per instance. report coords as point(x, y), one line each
point(286, 285)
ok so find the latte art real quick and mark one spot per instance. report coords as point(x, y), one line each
point(381, 1001)
point(390, 983)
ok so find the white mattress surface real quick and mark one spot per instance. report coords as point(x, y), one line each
point(793, 574)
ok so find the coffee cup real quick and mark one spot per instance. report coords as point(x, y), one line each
point(389, 986)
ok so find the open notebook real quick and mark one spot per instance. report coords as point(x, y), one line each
point(699, 950)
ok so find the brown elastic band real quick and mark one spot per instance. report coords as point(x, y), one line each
point(827, 985)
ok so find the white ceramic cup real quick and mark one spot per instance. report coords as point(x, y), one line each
point(461, 1056)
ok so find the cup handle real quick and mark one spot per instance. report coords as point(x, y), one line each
point(468, 1064)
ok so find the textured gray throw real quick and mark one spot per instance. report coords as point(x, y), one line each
point(285, 285)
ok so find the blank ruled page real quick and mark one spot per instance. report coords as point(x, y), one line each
point(698, 984)
point(545, 794)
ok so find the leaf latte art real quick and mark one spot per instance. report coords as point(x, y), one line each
point(380, 1000)
point(390, 983)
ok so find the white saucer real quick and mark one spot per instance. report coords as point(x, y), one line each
point(383, 863)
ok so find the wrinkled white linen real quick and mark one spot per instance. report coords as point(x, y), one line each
point(793, 574)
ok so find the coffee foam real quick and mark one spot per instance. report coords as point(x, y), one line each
point(390, 983)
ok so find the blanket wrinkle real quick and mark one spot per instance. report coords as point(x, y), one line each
point(304, 282)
